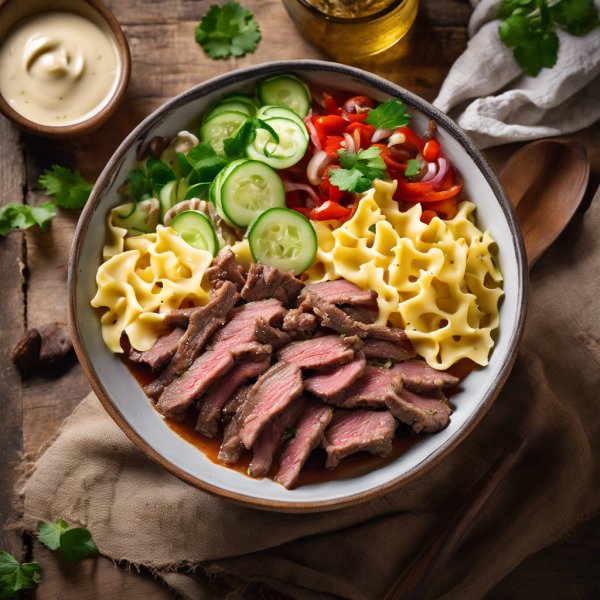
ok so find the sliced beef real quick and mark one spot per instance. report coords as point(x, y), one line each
point(326, 351)
point(264, 281)
point(358, 430)
point(419, 377)
point(311, 428)
point(203, 324)
point(233, 404)
point(382, 350)
point(427, 414)
point(232, 446)
point(297, 320)
point(335, 318)
point(369, 390)
point(271, 438)
point(341, 291)
point(273, 391)
point(180, 317)
point(162, 352)
point(361, 314)
point(224, 268)
point(205, 371)
point(221, 391)
point(330, 382)
point(265, 334)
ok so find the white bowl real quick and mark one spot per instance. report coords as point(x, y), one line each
point(124, 399)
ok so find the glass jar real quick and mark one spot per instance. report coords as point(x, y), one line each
point(350, 38)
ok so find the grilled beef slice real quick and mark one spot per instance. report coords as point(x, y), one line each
point(297, 320)
point(232, 446)
point(358, 430)
point(341, 291)
point(371, 389)
point(180, 317)
point(273, 391)
point(361, 314)
point(265, 334)
point(326, 351)
point(264, 281)
point(233, 404)
point(237, 338)
point(311, 427)
point(161, 353)
point(382, 350)
point(223, 389)
point(203, 323)
point(270, 439)
point(419, 377)
point(224, 268)
point(427, 414)
point(330, 382)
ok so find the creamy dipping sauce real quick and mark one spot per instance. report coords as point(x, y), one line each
point(58, 68)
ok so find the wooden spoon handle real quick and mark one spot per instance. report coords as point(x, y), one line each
point(417, 578)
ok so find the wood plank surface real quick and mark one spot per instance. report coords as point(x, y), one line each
point(166, 61)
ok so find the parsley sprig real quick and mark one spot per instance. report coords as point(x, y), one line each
point(228, 30)
point(15, 576)
point(358, 170)
point(528, 26)
point(75, 543)
point(389, 115)
point(23, 216)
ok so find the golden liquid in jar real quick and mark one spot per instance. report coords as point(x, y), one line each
point(352, 29)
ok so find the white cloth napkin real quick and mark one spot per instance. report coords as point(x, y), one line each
point(488, 94)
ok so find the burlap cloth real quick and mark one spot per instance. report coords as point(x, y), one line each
point(94, 476)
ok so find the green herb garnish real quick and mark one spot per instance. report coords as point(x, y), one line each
point(528, 27)
point(23, 216)
point(414, 166)
point(358, 170)
point(290, 433)
point(15, 576)
point(75, 543)
point(228, 30)
point(246, 135)
point(389, 115)
point(69, 188)
point(431, 412)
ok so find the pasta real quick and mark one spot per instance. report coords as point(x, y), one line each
point(153, 274)
point(438, 281)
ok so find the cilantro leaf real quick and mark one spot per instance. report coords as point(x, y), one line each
point(349, 180)
point(576, 16)
point(246, 135)
point(510, 6)
point(414, 166)
point(23, 216)
point(139, 184)
point(389, 115)
point(538, 52)
point(70, 189)
point(514, 30)
point(199, 152)
point(15, 576)
point(227, 30)
point(76, 543)
point(358, 170)
point(159, 174)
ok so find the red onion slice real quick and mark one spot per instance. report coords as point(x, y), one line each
point(381, 134)
point(349, 143)
point(431, 171)
point(317, 165)
point(314, 136)
point(288, 186)
point(444, 166)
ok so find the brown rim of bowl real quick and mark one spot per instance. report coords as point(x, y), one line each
point(238, 77)
point(96, 120)
point(350, 20)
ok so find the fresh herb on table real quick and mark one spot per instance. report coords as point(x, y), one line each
point(75, 543)
point(15, 576)
point(246, 135)
point(69, 188)
point(414, 166)
point(389, 115)
point(228, 30)
point(23, 216)
point(528, 26)
point(358, 170)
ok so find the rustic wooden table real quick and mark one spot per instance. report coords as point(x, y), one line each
point(33, 264)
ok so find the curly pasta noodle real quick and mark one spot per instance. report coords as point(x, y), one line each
point(438, 281)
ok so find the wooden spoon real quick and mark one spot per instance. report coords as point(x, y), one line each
point(545, 182)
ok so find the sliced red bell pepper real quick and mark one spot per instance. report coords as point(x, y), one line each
point(354, 118)
point(447, 208)
point(328, 191)
point(331, 106)
point(412, 138)
point(307, 212)
point(331, 123)
point(431, 197)
point(362, 126)
point(419, 188)
point(333, 143)
point(427, 216)
point(448, 180)
point(431, 150)
point(329, 210)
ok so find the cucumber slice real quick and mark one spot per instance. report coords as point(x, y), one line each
point(249, 188)
point(230, 106)
point(215, 188)
point(270, 111)
point(239, 98)
point(283, 238)
point(220, 127)
point(167, 198)
point(196, 229)
point(293, 142)
point(285, 90)
point(138, 218)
